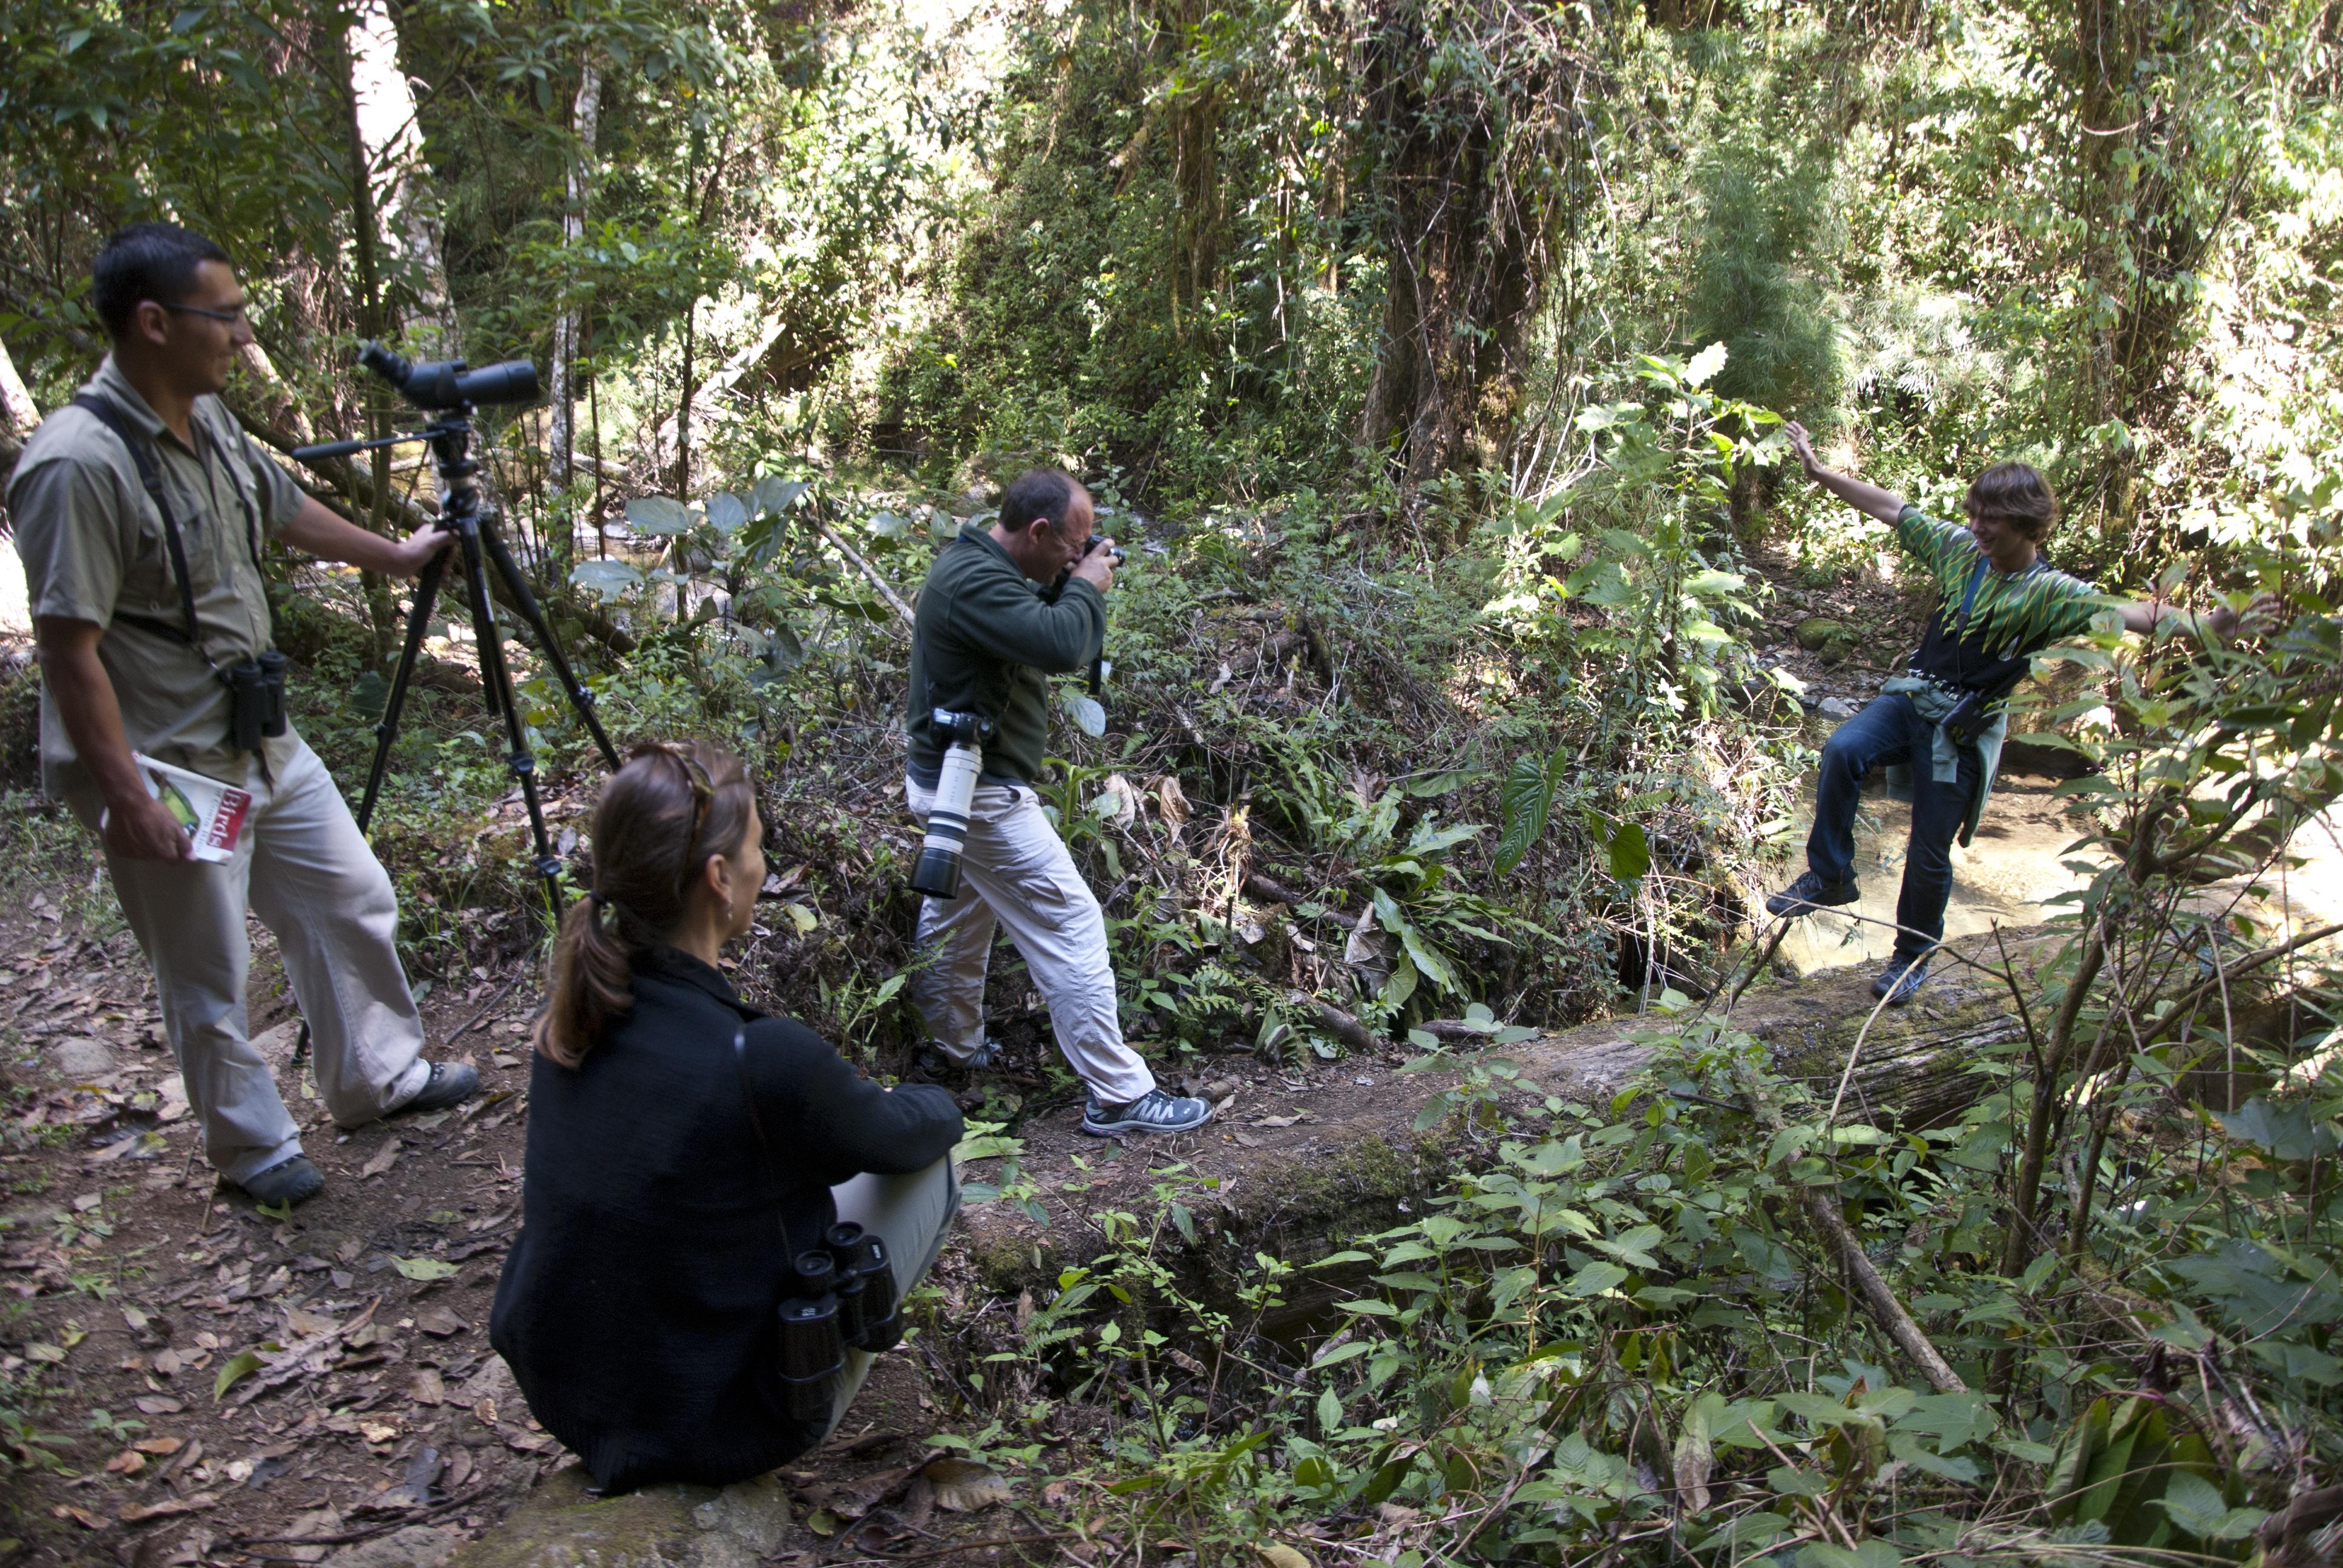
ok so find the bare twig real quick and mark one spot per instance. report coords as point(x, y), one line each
point(886, 592)
point(1821, 1208)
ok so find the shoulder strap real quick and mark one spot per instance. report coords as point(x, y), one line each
point(110, 416)
point(1977, 579)
point(251, 519)
point(756, 1125)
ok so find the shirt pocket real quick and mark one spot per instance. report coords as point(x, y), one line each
point(150, 578)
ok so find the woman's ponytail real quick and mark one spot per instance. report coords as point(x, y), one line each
point(593, 982)
point(658, 818)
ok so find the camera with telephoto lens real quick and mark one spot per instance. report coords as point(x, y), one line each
point(256, 700)
point(450, 383)
point(938, 873)
point(843, 1296)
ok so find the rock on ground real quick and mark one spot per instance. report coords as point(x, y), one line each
point(417, 1546)
point(81, 1057)
point(560, 1526)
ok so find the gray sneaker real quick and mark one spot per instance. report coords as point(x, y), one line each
point(1154, 1112)
point(288, 1181)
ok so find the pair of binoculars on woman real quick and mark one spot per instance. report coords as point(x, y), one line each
point(843, 1296)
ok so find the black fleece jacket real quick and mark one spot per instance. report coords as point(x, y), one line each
point(637, 1304)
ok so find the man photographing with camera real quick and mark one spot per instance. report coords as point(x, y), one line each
point(141, 512)
point(989, 632)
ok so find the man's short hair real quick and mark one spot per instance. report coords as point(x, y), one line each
point(2015, 491)
point(155, 261)
point(1046, 494)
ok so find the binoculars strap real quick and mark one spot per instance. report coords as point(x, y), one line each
point(756, 1125)
point(109, 414)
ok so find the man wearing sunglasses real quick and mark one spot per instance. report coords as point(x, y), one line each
point(142, 511)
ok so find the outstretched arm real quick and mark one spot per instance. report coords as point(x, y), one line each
point(1884, 504)
point(2147, 616)
point(316, 529)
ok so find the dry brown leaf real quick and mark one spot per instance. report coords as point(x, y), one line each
point(137, 1512)
point(377, 1431)
point(167, 1362)
point(427, 1388)
point(81, 1516)
point(129, 1462)
point(440, 1323)
point(158, 1446)
point(383, 1159)
point(1278, 1554)
point(1171, 800)
point(309, 1326)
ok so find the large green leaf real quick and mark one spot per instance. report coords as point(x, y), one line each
point(1523, 806)
point(2286, 1132)
point(605, 579)
point(727, 513)
point(1628, 853)
point(659, 515)
point(775, 495)
point(1429, 960)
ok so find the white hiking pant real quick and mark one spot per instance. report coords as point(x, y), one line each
point(1015, 871)
point(305, 870)
point(912, 1214)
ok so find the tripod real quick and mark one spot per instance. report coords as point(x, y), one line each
point(479, 546)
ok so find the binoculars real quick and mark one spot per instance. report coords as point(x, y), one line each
point(256, 700)
point(843, 1296)
point(938, 872)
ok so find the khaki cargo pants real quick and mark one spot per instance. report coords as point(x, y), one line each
point(1015, 873)
point(303, 866)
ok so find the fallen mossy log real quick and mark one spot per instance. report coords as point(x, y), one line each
point(1299, 1191)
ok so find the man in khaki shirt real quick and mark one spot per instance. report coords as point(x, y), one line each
point(121, 670)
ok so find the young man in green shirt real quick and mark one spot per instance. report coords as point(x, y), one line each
point(2000, 603)
point(988, 635)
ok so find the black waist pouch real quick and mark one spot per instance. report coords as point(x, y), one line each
point(1971, 717)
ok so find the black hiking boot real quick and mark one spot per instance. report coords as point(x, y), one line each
point(1809, 894)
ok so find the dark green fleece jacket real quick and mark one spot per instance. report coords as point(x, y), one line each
point(985, 641)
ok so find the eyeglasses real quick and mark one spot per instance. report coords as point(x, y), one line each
point(230, 316)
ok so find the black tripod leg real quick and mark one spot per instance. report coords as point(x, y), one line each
point(426, 588)
point(496, 676)
point(517, 586)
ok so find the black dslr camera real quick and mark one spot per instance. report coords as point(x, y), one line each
point(1114, 553)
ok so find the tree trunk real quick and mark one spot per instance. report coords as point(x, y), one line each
point(585, 121)
point(1467, 171)
point(393, 143)
point(19, 417)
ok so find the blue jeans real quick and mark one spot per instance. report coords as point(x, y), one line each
point(1891, 730)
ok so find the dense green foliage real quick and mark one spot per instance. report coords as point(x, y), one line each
point(1431, 356)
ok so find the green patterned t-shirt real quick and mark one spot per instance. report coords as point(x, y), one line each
point(2014, 616)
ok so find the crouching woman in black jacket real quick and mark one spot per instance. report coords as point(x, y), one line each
point(637, 1304)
